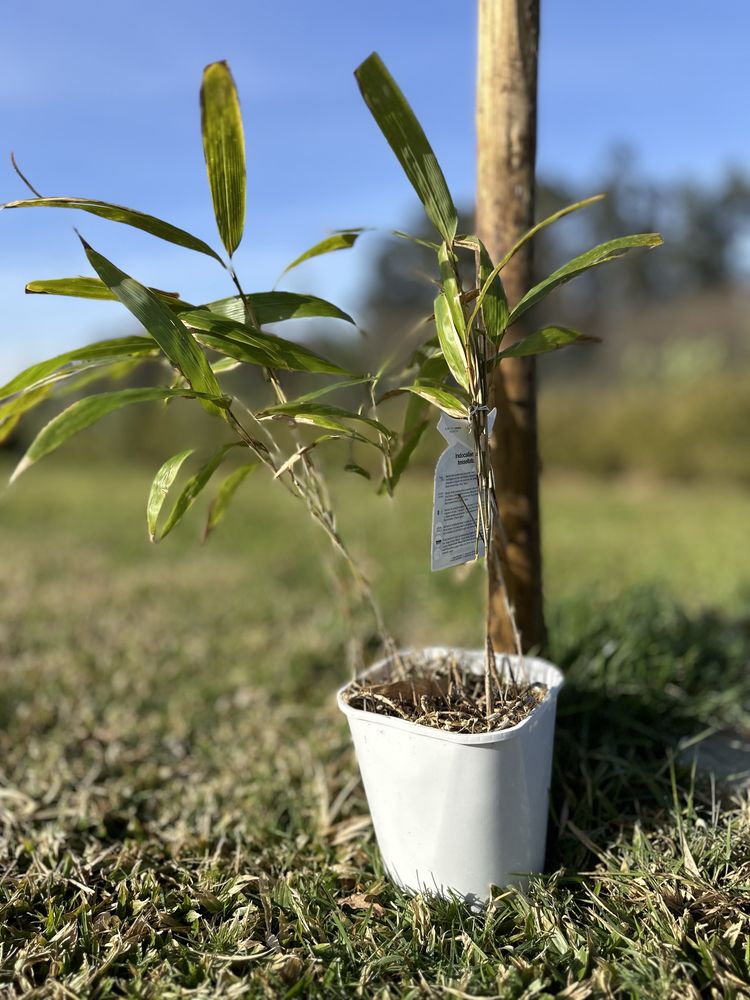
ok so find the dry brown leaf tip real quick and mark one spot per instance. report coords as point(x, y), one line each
point(363, 901)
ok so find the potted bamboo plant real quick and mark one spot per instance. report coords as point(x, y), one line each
point(455, 746)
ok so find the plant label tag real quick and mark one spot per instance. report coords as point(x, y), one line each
point(454, 510)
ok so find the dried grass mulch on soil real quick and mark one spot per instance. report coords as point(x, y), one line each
point(443, 694)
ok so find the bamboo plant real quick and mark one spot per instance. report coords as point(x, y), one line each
point(466, 338)
point(197, 346)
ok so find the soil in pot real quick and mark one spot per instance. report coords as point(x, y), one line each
point(439, 691)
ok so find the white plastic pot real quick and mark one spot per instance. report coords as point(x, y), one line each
point(457, 813)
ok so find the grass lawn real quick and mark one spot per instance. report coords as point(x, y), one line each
point(179, 808)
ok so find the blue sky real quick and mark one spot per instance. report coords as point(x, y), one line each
point(101, 100)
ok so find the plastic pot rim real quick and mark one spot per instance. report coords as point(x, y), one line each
point(554, 682)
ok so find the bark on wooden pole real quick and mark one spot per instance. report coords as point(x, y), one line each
point(506, 158)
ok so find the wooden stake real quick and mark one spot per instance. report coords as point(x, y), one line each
point(506, 156)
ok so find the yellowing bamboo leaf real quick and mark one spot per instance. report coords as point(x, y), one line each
point(87, 411)
point(93, 288)
point(405, 135)
point(224, 151)
point(342, 240)
point(72, 362)
point(300, 410)
point(128, 216)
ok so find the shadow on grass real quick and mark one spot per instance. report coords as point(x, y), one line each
point(642, 677)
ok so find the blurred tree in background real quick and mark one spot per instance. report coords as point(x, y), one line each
point(702, 271)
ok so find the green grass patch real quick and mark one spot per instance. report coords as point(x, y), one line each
point(180, 814)
point(691, 430)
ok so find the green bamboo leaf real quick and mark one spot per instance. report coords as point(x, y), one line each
point(531, 233)
point(72, 362)
point(165, 327)
point(8, 425)
point(12, 411)
point(225, 365)
point(358, 470)
point(94, 288)
point(221, 501)
point(113, 371)
point(450, 341)
point(331, 424)
point(428, 350)
point(194, 486)
point(299, 410)
point(224, 151)
point(495, 303)
point(549, 338)
point(76, 376)
point(432, 368)
point(308, 397)
point(451, 289)
point(441, 396)
point(416, 420)
point(256, 347)
point(160, 488)
point(128, 216)
point(602, 254)
point(275, 307)
point(239, 350)
point(303, 450)
point(399, 125)
point(401, 459)
point(342, 240)
point(87, 411)
point(416, 240)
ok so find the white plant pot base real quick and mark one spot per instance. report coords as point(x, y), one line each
point(456, 813)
